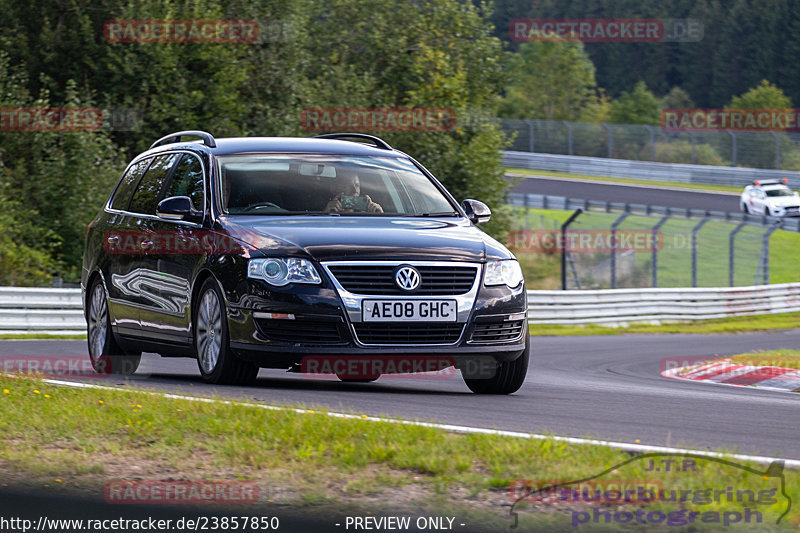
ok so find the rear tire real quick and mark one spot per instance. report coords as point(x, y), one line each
point(105, 354)
point(217, 363)
point(508, 378)
point(745, 209)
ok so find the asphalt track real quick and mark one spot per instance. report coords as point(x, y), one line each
point(606, 387)
point(623, 192)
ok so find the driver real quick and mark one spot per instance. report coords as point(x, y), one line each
point(348, 185)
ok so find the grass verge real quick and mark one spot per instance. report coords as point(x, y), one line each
point(543, 270)
point(58, 438)
point(744, 324)
point(782, 358)
point(588, 177)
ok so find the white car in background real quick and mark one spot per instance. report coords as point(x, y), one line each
point(770, 197)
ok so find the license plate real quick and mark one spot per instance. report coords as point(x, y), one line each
point(409, 310)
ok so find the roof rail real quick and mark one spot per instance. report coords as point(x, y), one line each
point(377, 141)
point(208, 139)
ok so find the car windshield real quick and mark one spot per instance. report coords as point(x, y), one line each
point(312, 184)
point(779, 192)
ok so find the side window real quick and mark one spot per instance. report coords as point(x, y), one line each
point(122, 196)
point(145, 199)
point(187, 180)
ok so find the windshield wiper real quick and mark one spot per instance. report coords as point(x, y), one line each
point(443, 214)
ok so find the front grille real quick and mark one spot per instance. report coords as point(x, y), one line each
point(301, 331)
point(497, 331)
point(379, 279)
point(402, 333)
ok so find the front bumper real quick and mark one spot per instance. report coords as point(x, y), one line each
point(278, 327)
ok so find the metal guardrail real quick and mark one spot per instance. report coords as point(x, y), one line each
point(625, 306)
point(58, 311)
point(41, 310)
point(543, 201)
point(646, 170)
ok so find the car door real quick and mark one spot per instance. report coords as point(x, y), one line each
point(179, 256)
point(123, 257)
point(145, 280)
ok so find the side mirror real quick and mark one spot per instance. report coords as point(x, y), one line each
point(178, 208)
point(477, 212)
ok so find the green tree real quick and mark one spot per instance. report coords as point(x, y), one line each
point(430, 53)
point(63, 177)
point(764, 96)
point(549, 80)
point(637, 107)
point(677, 98)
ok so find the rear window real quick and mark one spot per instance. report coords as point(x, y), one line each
point(147, 194)
point(122, 196)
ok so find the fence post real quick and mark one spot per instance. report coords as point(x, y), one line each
point(527, 211)
point(777, 150)
point(652, 143)
point(765, 255)
point(656, 228)
point(734, 154)
point(731, 251)
point(564, 227)
point(529, 122)
point(569, 136)
point(695, 230)
point(610, 140)
point(613, 265)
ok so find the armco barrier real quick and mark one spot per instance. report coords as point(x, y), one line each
point(41, 310)
point(625, 306)
point(646, 170)
point(58, 311)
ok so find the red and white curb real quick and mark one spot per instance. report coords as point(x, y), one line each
point(726, 372)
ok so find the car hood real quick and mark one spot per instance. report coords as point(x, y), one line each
point(331, 238)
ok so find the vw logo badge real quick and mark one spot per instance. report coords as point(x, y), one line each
point(407, 278)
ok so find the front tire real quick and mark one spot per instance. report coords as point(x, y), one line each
point(508, 378)
point(217, 363)
point(106, 355)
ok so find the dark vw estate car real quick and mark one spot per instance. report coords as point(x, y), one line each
point(273, 252)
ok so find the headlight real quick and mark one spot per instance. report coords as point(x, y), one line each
point(279, 272)
point(507, 272)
